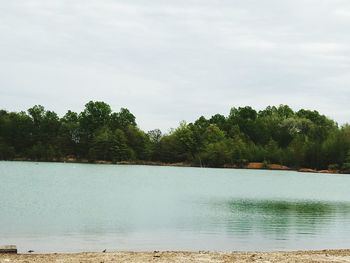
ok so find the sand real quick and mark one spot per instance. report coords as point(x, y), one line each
point(208, 257)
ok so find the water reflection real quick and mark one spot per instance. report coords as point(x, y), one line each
point(282, 219)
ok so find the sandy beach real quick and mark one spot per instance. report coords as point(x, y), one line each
point(139, 257)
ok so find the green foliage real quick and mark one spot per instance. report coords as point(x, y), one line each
point(7, 152)
point(245, 119)
point(213, 134)
point(16, 130)
point(122, 119)
point(138, 141)
point(101, 145)
point(346, 168)
point(333, 167)
point(44, 127)
point(69, 135)
point(155, 135)
point(274, 135)
point(110, 146)
point(273, 153)
point(346, 165)
point(95, 115)
point(216, 154)
point(219, 120)
point(347, 158)
point(265, 164)
point(119, 148)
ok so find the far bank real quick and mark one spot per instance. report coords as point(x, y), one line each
point(250, 165)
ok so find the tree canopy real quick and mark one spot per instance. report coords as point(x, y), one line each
point(279, 135)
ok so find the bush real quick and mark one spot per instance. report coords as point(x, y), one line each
point(333, 167)
point(265, 164)
point(241, 163)
point(345, 168)
point(6, 152)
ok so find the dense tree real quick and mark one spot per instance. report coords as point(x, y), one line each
point(101, 145)
point(69, 135)
point(217, 154)
point(219, 120)
point(16, 132)
point(122, 119)
point(45, 126)
point(245, 119)
point(95, 115)
point(119, 147)
point(139, 142)
point(155, 135)
point(273, 135)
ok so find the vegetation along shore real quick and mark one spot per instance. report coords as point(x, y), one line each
point(273, 138)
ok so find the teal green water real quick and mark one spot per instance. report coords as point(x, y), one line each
point(56, 207)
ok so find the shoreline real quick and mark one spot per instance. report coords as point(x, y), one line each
point(248, 166)
point(338, 255)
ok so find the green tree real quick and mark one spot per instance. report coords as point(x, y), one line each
point(95, 115)
point(139, 142)
point(119, 148)
point(45, 131)
point(245, 119)
point(217, 154)
point(122, 120)
point(155, 135)
point(70, 134)
point(16, 131)
point(276, 134)
point(219, 120)
point(7, 152)
point(213, 134)
point(101, 145)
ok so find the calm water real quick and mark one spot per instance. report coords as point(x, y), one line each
point(52, 207)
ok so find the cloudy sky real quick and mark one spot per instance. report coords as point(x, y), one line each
point(169, 61)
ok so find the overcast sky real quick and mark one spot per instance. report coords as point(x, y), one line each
point(169, 61)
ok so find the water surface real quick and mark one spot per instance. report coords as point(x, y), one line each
point(56, 207)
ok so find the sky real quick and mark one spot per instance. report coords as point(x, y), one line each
point(173, 60)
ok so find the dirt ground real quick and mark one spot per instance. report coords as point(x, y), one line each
point(157, 257)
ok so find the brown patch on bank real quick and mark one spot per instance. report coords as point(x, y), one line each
point(307, 170)
point(328, 171)
point(209, 257)
point(278, 167)
point(255, 166)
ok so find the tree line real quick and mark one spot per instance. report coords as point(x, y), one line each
point(278, 135)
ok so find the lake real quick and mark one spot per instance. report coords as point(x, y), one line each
point(58, 207)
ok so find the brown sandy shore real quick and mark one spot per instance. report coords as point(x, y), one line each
point(138, 257)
